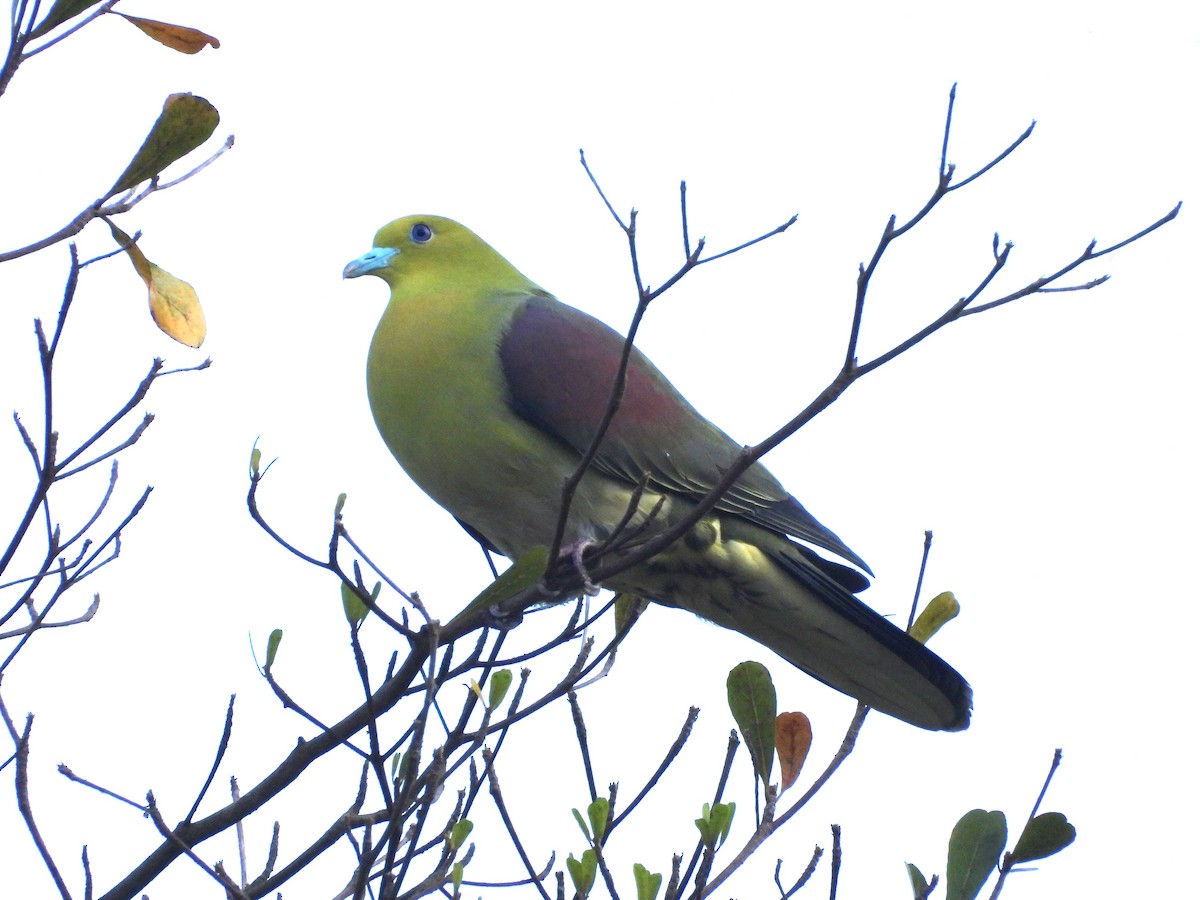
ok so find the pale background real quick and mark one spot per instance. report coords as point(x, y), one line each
point(1050, 445)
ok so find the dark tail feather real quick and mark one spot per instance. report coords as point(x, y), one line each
point(867, 656)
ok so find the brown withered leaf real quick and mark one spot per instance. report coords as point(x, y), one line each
point(793, 737)
point(177, 37)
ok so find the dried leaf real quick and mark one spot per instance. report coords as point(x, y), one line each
point(793, 737)
point(177, 37)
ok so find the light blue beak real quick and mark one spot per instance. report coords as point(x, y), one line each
point(375, 258)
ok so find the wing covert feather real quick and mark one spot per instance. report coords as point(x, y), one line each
point(560, 364)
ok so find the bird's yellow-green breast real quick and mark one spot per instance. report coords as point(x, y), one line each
point(436, 385)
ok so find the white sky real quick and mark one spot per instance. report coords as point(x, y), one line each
point(1050, 445)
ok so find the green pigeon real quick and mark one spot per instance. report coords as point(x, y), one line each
point(487, 390)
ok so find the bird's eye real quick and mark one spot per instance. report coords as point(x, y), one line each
point(421, 233)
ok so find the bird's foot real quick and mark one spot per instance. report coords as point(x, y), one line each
point(575, 551)
point(495, 617)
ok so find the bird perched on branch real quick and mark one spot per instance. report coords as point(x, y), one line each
point(488, 390)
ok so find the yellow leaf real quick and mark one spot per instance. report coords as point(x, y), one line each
point(177, 37)
point(793, 737)
point(173, 302)
point(176, 308)
point(941, 609)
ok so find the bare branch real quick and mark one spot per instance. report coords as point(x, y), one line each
point(502, 808)
point(101, 208)
point(66, 772)
point(912, 613)
point(25, 806)
point(222, 747)
point(672, 753)
point(85, 21)
point(1006, 866)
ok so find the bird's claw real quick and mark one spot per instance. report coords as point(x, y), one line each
point(496, 617)
point(576, 551)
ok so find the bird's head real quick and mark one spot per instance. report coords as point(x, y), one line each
point(431, 252)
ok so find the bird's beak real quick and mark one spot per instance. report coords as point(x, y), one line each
point(373, 259)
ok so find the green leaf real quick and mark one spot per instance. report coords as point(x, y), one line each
point(598, 816)
point(353, 606)
point(61, 11)
point(456, 876)
point(1044, 836)
point(339, 505)
point(714, 823)
point(708, 830)
point(976, 843)
point(255, 460)
point(920, 887)
point(940, 610)
point(582, 872)
point(582, 825)
point(498, 686)
point(722, 817)
point(752, 702)
point(647, 883)
point(273, 646)
point(459, 832)
point(186, 122)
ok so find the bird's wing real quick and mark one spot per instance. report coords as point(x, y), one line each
point(560, 363)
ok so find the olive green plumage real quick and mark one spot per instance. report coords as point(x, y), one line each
point(486, 389)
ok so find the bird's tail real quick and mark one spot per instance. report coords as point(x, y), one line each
point(779, 593)
point(835, 637)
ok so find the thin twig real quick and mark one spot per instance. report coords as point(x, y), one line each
point(25, 807)
point(671, 754)
point(1007, 865)
point(912, 613)
point(835, 860)
point(581, 738)
point(502, 809)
